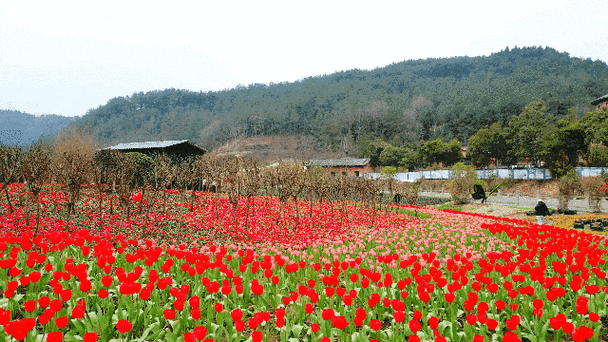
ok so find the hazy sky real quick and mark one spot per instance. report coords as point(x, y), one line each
point(68, 58)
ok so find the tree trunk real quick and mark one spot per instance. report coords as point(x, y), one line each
point(8, 199)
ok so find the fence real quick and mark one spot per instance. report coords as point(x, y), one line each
point(528, 173)
point(591, 171)
point(512, 173)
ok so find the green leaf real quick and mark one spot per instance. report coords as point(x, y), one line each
point(443, 325)
point(358, 337)
point(297, 329)
point(531, 337)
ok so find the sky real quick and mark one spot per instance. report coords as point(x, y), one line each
point(65, 58)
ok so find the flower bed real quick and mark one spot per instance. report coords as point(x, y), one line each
point(295, 272)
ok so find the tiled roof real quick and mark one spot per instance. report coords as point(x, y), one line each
point(145, 144)
point(339, 162)
point(600, 100)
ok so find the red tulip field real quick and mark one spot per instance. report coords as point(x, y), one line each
point(179, 266)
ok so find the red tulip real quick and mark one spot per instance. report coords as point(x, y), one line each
point(169, 314)
point(124, 326)
point(90, 337)
point(189, 337)
point(511, 337)
point(29, 305)
point(414, 326)
point(54, 336)
point(200, 332)
point(195, 313)
point(236, 314)
point(375, 324)
point(61, 322)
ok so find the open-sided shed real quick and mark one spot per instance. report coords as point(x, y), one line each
point(176, 150)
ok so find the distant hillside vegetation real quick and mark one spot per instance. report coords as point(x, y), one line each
point(408, 101)
point(20, 129)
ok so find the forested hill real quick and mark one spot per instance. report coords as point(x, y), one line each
point(20, 129)
point(407, 101)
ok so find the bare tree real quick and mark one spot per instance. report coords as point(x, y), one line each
point(11, 159)
point(164, 174)
point(73, 152)
point(252, 183)
point(36, 171)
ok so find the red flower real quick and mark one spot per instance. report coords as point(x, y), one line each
point(136, 197)
point(169, 314)
point(124, 326)
point(582, 333)
point(102, 293)
point(315, 327)
point(78, 312)
point(375, 324)
point(219, 307)
point(107, 281)
point(511, 337)
point(56, 305)
point(90, 337)
point(492, 324)
point(414, 325)
point(61, 322)
point(195, 313)
point(568, 327)
point(19, 329)
point(44, 301)
point(194, 301)
point(339, 322)
point(257, 336)
point(200, 332)
point(327, 314)
point(189, 337)
point(557, 321)
point(239, 326)
point(594, 317)
point(513, 322)
point(236, 314)
point(54, 336)
point(29, 305)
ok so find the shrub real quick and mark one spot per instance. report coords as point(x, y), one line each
point(461, 183)
point(595, 188)
point(569, 186)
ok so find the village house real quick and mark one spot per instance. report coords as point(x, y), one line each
point(351, 167)
point(600, 102)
